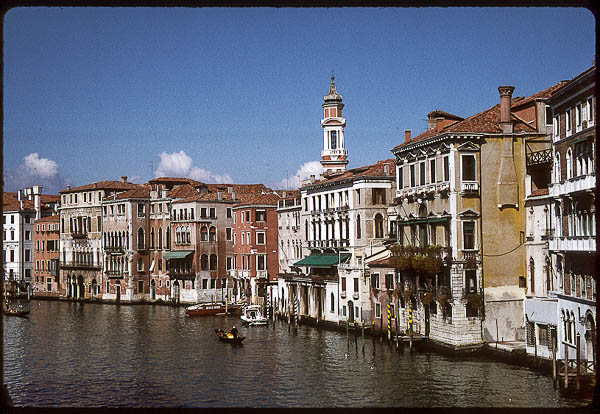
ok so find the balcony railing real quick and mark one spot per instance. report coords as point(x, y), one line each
point(539, 157)
point(343, 294)
point(114, 249)
point(78, 235)
point(573, 244)
point(115, 274)
point(261, 274)
point(355, 295)
point(469, 254)
point(470, 187)
point(80, 265)
point(182, 273)
point(573, 185)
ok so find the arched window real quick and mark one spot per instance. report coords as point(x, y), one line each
point(558, 217)
point(160, 241)
point(168, 245)
point(177, 235)
point(557, 176)
point(187, 235)
point(204, 233)
point(213, 234)
point(423, 210)
point(565, 325)
point(378, 226)
point(213, 262)
point(152, 238)
point(358, 231)
point(140, 264)
point(332, 302)
point(204, 262)
point(569, 164)
point(141, 242)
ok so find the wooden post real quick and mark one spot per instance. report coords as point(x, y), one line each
point(363, 336)
point(534, 348)
point(397, 323)
point(553, 339)
point(347, 332)
point(566, 366)
point(577, 379)
point(496, 333)
point(410, 325)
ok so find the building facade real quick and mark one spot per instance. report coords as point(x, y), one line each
point(46, 256)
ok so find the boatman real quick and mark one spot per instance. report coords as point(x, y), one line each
point(234, 332)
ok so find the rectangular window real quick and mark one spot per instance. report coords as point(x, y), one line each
point(213, 213)
point(400, 177)
point(590, 111)
point(242, 238)
point(356, 284)
point(141, 210)
point(568, 121)
point(378, 196)
point(204, 283)
point(556, 127)
point(234, 217)
point(260, 262)
point(260, 237)
point(27, 255)
point(432, 171)
point(248, 239)
point(468, 234)
point(213, 283)
point(228, 210)
point(343, 284)
point(548, 115)
point(228, 233)
point(358, 197)
point(228, 263)
point(27, 235)
point(375, 280)
point(378, 310)
point(422, 173)
point(389, 281)
point(446, 168)
point(248, 216)
point(468, 167)
point(344, 310)
point(140, 286)
point(413, 180)
point(261, 215)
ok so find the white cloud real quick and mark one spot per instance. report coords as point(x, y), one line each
point(179, 164)
point(34, 171)
point(42, 167)
point(304, 172)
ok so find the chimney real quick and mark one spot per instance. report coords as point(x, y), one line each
point(312, 178)
point(165, 193)
point(407, 135)
point(19, 195)
point(229, 189)
point(37, 195)
point(68, 187)
point(439, 123)
point(219, 195)
point(505, 102)
point(123, 178)
point(386, 169)
point(233, 195)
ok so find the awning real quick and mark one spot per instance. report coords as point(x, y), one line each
point(178, 254)
point(438, 219)
point(323, 259)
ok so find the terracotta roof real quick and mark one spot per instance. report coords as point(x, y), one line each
point(141, 192)
point(175, 180)
point(215, 197)
point(439, 113)
point(49, 218)
point(289, 194)
point(488, 121)
point(385, 262)
point(374, 170)
point(238, 188)
point(539, 192)
point(50, 198)
point(11, 203)
point(262, 199)
point(102, 185)
point(183, 191)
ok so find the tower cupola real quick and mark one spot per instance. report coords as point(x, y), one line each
point(334, 155)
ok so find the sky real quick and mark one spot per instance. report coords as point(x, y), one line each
point(235, 94)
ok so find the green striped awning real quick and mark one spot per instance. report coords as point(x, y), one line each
point(322, 260)
point(178, 254)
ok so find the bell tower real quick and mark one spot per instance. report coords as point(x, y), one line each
point(334, 155)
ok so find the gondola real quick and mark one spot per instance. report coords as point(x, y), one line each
point(16, 312)
point(228, 337)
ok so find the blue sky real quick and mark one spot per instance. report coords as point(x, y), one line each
point(235, 94)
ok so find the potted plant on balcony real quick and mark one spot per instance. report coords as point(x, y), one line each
point(427, 298)
point(474, 300)
point(470, 263)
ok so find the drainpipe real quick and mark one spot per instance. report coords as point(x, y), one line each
point(482, 318)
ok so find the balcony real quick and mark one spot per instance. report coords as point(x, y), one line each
point(401, 193)
point(573, 185)
point(114, 249)
point(261, 274)
point(244, 273)
point(573, 244)
point(469, 254)
point(115, 274)
point(343, 294)
point(355, 296)
point(469, 187)
point(334, 152)
point(188, 273)
point(539, 157)
point(233, 273)
point(78, 235)
point(80, 265)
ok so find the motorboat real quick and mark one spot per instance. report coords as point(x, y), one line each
point(229, 337)
point(204, 309)
point(252, 315)
point(16, 312)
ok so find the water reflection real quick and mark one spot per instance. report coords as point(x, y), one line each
point(68, 354)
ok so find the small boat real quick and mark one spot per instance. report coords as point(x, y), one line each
point(204, 309)
point(16, 312)
point(228, 337)
point(252, 316)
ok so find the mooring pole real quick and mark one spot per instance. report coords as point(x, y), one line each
point(577, 379)
point(410, 324)
point(566, 366)
point(553, 339)
point(363, 336)
point(347, 332)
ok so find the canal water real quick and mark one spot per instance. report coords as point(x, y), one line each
point(97, 355)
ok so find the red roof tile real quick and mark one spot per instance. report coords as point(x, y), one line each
point(49, 218)
point(374, 170)
point(270, 199)
point(141, 192)
point(102, 185)
point(539, 192)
